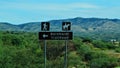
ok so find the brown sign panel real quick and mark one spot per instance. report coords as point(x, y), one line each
point(55, 35)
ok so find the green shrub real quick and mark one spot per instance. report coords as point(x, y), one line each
point(88, 40)
point(83, 50)
point(103, 45)
point(75, 61)
point(77, 42)
point(117, 50)
point(94, 55)
point(107, 62)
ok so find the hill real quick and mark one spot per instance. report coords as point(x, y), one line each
point(95, 28)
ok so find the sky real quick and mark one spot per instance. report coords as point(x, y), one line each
point(24, 11)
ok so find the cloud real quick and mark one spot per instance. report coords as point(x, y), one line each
point(47, 6)
point(83, 5)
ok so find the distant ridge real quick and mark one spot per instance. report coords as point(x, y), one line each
point(91, 27)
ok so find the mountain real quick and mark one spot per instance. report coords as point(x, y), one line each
point(95, 28)
point(4, 26)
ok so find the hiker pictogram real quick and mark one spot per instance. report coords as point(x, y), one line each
point(45, 26)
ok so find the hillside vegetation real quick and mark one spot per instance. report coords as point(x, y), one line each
point(95, 28)
point(24, 50)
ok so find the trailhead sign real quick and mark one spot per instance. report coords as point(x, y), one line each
point(61, 35)
point(65, 34)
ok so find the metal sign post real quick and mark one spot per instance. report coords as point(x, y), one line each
point(66, 26)
point(45, 54)
point(45, 26)
point(66, 48)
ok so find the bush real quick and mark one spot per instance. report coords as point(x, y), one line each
point(11, 40)
point(88, 40)
point(75, 61)
point(117, 50)
point(77, 42)
point(106, 62)
point(83, 50)
point(103, 45)
point(94, 55)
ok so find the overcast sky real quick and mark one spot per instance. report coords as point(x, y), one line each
point(23, 11)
